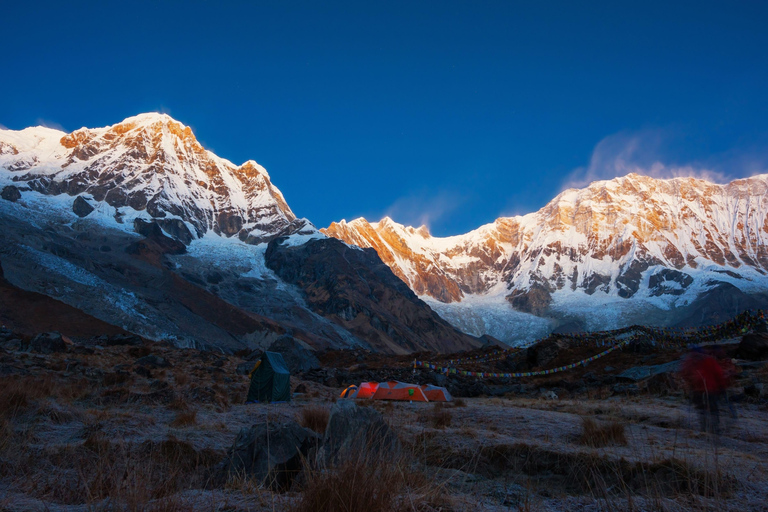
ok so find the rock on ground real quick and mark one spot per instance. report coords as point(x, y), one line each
point(354, 430)
point(47, 343)
point(270, 453)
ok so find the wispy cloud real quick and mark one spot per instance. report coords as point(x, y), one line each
point(424, 209)
point(49, 124)
point(650, 153)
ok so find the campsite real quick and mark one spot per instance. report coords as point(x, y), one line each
point(190, 430)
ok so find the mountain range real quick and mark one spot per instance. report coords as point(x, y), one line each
point(138, 226)
point(631, 250)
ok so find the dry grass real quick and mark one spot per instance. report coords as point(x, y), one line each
point(185, 418)
point(136, 475)
point(598, 435)
point(315, 418)
point(370, 482)
point(111, 379)
point(181, 378)
point(22, 393)
point(437, 417)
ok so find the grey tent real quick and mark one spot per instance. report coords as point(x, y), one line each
point(270, 380)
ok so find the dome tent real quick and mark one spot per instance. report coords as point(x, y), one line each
point(349, 392)
point(270, 380)
point(394, 390)
point(436, 393)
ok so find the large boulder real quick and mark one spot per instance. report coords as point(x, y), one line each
point(48, 343)
point(81, 207)
point(11, 193)
point(356, 431)
point(467, 388)
point(272, 454)
point(544, 352)
point(753, 347)
point(297, 356)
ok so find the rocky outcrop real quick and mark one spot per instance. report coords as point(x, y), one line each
point(270, 454)
point(534, 300)
point(543, 353)
point(295, 354)
point(48, 343)
point(81, 207)
point(354, 431)
point(720, 303)
point(355, 289)
point(10, 193)
point(156, 242)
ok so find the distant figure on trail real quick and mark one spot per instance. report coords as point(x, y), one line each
point(707, 385)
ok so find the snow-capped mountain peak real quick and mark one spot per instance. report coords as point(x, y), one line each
point(150, 163)
point(662, 241)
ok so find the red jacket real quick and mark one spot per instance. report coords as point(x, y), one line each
point(703, 374)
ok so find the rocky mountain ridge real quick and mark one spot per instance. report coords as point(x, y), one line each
point(139, 226)
point(152, 163)
point(660, 244)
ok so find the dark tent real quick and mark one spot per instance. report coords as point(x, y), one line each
point(270, 380)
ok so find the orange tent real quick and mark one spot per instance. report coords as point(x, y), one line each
point(349, 392)
point(394, 390)
point(366, 390)
point(436, 393)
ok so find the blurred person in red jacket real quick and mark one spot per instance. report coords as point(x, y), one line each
point(707, 384)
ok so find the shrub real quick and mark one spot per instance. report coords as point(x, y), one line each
point(597, 435)
point(315, 418)
point(459, 402)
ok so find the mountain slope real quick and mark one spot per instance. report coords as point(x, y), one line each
point(637, 244)
point(150, 163)
point(137, 225)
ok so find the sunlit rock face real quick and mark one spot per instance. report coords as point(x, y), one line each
point(150, 163)
point(633, 237)
point(139, 226)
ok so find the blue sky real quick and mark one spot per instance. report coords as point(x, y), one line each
point(449, 113)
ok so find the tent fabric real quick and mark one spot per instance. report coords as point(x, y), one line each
point(366, 390)
point(349, 392)
point(270, 380)
point(436, 393)
point(394, 390)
